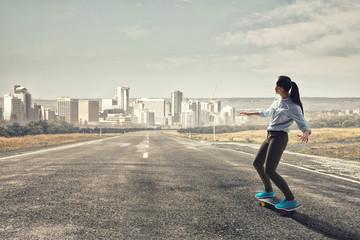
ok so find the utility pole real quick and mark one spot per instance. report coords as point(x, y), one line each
point(214, 135)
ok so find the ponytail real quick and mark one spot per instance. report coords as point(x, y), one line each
point(295, 95)
point(286, 83)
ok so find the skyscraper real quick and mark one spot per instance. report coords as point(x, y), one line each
point(88, 111)
point(24, 95)
point(108, 103)
point(123, 98)
point(215, 106)
point(167, 109)
point(37, 113)
point(7, 106)
point(68, 109)
point(12, 108)
point(228, 115)
point(157, 106)
point(176, 99)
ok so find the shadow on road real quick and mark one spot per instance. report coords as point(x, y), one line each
point(320, 226)
point(326, 228)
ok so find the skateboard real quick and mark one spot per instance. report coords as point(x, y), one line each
point(272, 201)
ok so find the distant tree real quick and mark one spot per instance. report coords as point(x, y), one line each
point(3, 132)
point(15, 130)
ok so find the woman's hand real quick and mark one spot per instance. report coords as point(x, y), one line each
point(244, 113)
point(305, 137)
point(249, 113)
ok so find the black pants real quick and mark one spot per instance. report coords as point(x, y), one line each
point(269, 155)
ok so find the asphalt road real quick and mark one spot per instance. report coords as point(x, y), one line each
point(150, 185)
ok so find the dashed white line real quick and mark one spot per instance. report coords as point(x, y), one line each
point(146, 155)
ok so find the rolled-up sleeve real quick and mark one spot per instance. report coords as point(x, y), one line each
point(265, 113)
point(298, 117)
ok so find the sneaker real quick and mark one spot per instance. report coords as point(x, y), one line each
point(286, 204)
point(264, 194)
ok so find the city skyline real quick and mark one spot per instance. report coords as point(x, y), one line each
point(177, 112)
point(205, 48)
point(174, 112)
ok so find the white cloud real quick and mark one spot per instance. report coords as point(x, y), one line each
point(291, 61)
point(136, 31)
point(317, 27)
point(154, 66)
point(272, 63)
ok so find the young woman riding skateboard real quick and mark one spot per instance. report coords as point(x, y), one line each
point(283, 112)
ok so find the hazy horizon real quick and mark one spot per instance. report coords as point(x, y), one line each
point(310, 104)
point(230, 49)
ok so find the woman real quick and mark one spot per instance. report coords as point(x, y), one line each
point(283, 112)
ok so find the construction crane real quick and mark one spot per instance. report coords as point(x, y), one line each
point(213, 96)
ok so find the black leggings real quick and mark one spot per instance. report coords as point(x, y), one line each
point(269, 154)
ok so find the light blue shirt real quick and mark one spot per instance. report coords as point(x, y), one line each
point(282, 113)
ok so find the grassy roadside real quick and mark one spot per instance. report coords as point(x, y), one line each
point(332, 142)
point(16, 143)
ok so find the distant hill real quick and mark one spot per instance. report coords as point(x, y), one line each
point(310, 104)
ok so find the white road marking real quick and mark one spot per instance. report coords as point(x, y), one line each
point(59, 148)
point(146, 155)
point(318, 172)
point(307, 169)
point(124, 144)
point(256, 146)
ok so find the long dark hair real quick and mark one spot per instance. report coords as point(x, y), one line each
point(286, 83)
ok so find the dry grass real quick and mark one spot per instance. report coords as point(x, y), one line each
point(321, 135)
point(15, 143)
point(332, 142)
point(337, 150)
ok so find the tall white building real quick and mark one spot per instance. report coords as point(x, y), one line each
point(123, 98)
point(204, 118)
point(88, 111)
point(215, 106)
point(228, 115)
point(108, 103)
point(145, 117)
point(48, 114)
point(13, 108)
point(205, 106)
point(7, 106)
point(68, 109)
point(190, 113)
point(157, 106)
point(188, 119)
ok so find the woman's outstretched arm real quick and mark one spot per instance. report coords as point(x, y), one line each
point(250, 113)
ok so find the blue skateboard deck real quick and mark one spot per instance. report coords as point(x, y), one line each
point(275, 200)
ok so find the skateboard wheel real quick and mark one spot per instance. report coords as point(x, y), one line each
point(263, 204)
point(284, 212)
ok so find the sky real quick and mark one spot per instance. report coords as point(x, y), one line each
point(204, 48)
